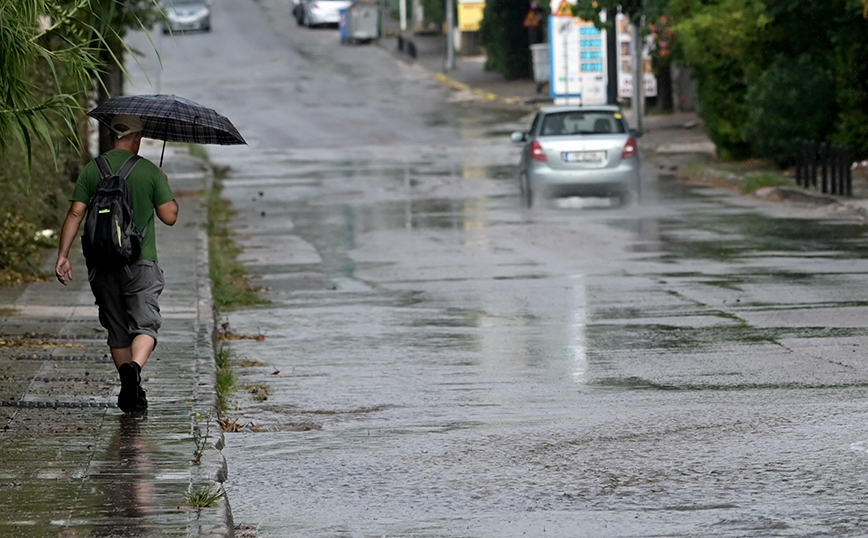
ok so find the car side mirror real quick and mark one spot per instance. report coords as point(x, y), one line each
point(518, 136)
point(636, 133)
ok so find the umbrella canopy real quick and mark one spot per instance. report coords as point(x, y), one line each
point(171, 119)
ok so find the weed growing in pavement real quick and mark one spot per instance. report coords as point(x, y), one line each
point(225, 377)
point(231, 285)
point(200, 437)
point(200, 497)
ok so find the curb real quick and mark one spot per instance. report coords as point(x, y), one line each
point(213, 468)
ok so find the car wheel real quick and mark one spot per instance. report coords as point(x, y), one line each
point(628, 198)
point(526, 190)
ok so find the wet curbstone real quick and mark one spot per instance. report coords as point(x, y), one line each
point(212, 467)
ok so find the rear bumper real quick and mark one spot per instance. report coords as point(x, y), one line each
point(324, 18)
point(588, 182)
point(181, 25)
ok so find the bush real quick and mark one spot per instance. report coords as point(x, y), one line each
point(721, 91)
point(792, 99)
point(17, 241)
point(434, 11)
point(506, 39)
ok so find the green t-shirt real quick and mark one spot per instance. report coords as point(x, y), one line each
point(148, 189)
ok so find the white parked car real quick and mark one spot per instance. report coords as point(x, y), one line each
point(322, 12)
point(184, 15)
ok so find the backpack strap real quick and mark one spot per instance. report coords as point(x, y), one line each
point(105, 170)
point(127, 167)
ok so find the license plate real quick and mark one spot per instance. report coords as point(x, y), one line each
point(584, 156)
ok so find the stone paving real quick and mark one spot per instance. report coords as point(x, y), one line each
point(71, 464)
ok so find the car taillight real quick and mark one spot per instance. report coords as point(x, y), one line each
point(537, 153)
point(630, 149)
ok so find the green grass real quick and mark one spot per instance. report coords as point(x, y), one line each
point(231, 285)
point(226, 380)
point(203, 497)
point(753, 182)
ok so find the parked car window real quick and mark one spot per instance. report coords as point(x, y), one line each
point(573, 123)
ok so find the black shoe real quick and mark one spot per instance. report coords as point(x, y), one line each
point(141, 400)
point(131, 378)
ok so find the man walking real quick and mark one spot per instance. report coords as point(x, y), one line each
point(126, 297)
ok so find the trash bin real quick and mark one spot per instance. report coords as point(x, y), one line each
point(541, 67)
point(360, 23)
point(343, 26)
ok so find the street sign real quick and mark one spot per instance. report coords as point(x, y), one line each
point(564, 9)
point(532, 20)
point(469, 15)
point(625, 57)
point(578, 61)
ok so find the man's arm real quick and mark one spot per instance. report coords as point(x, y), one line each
point(63, 268)
point(168, 212)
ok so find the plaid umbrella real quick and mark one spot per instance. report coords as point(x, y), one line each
point(171, 119)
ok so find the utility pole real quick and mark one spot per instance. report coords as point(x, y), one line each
point(611, 57)
point(632, 9)
point(637, 101)
point(450, 33)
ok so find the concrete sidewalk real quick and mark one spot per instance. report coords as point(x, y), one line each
point(71, 464)
point(469, 79)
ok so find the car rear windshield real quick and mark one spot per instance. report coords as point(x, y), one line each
point(582, 122)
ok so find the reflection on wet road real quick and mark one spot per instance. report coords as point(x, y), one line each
point(453, 365)
point(443, 362)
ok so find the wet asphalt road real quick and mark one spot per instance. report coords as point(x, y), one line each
point(442, 362)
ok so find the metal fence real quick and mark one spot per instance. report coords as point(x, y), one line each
point(824, 167)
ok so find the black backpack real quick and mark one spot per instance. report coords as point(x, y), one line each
point(111, 240)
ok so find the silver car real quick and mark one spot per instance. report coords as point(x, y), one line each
point(579, 151)
point(322, 12)
point(183, 15)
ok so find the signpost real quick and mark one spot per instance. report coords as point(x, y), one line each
point(578, 59)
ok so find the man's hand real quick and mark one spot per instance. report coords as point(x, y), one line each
point(63, 270)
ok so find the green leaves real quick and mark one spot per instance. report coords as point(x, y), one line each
point(50, 59)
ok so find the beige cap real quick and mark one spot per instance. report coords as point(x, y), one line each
point(123, 125)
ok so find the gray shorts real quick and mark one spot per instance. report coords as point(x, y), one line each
point(127, 301)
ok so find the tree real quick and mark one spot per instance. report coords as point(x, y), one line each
point(73, 42)
point(33, 33)
point(506, 39)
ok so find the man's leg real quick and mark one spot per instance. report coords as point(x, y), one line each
point(141, 289)
point(139, 351)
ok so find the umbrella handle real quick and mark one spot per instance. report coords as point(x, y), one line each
point(165, 136)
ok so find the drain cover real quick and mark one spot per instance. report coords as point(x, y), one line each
point(102, 358)
point(55, 405)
